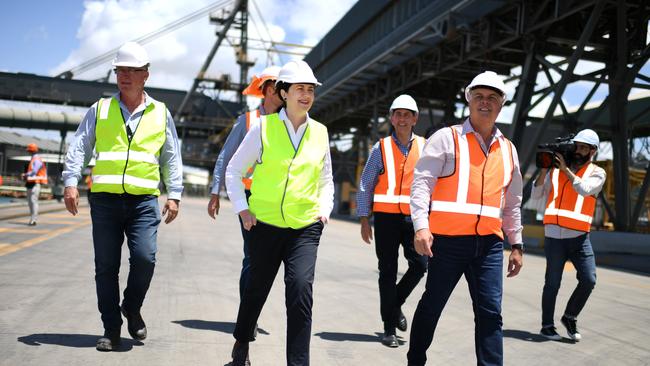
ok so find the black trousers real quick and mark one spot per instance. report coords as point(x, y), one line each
point(391, 230)
point(269, 246)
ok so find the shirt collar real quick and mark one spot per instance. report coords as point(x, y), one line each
point(147, 101)
point(283, 116)
point(394, 136)
point(467, 128)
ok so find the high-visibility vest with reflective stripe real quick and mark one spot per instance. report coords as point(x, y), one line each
point(284, 192)
point(41, 174)
point(470, 201)
point(125, 166)
point(252, 118)
point(393, 189)
point(565, 207)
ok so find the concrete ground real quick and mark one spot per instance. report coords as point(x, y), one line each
point(48, 313)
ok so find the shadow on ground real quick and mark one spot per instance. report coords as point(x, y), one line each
point(354, 337)
point(224, 327)
point(73, 340)
point(525, 335)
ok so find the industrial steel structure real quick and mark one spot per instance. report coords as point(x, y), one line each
point(431, 49)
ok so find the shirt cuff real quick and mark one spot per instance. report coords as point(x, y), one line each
point(71, 182)
point(421, 223)
point(240, 205)
point(175, 195)
point(515, 238)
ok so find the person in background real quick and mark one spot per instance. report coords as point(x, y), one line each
point(570, 193)
point(35, 176)
point(137, 148)
point(466, 194)
point(262, 86)
point(292, 196)
point(386, 184)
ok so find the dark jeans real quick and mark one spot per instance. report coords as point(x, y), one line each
point(269, 246)
point(558, 251)
point(480, 259)
point(391, 230)
point(246, 262)
point(113, 216)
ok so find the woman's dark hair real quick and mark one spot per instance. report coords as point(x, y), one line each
point(281, 85)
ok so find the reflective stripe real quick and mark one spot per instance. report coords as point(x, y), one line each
point(555, 177)
point(128, 179)
point(507, 163)
point(390, 164)
point(386, 198)
point(569, 214)
point(131, 155)
point(463, 169)
point(466, 208)
point(104, 107)
point(34, 178)
point(581, 199)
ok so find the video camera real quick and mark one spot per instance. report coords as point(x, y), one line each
point(562, 145)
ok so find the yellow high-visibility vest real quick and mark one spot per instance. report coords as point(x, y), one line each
point(284, 192)
point(123, 165)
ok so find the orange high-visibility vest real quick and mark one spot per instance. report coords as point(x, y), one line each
point(565, 207)
point(393, 189)
point(252, 118)
point(470, 201)
point(41, 175)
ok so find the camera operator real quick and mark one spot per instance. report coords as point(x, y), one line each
point(570, 193)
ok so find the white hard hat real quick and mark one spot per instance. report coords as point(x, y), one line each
point(589, 137)
point(488, 79)
point(404, 101)
point(270, 73)
point(297, 71)
point(131, 54)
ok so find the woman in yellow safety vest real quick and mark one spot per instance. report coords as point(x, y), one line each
point(291, 199)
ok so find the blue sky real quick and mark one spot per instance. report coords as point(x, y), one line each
point(36, 35)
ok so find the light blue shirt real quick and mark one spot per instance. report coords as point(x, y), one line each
point(81, 149)
point(234, 139)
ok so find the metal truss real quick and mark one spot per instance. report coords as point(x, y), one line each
point(520, 33)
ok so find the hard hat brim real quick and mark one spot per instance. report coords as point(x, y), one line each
point(129, 64)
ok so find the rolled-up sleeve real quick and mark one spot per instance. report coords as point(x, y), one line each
point(235, 137)
point(171, 162)
point(369, 176)
point(245, 156)
point(591, 185)
point(81, 149)
point(512, 205)
point(438, 149)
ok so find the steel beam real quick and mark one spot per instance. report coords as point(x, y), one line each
point(564, 81)
point(220, 37)
point(524, 94)
point(640, 201)
point(618, 93)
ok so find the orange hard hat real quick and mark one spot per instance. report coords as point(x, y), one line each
point(254, 89)
point(32, 147)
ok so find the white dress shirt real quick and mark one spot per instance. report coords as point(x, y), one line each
point(250, 151)
point(585, 186)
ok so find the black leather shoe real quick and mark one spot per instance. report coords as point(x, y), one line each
point(109, 342)
point(240, 354)
point(402, 324)
point(390, 340)
point(136, 326)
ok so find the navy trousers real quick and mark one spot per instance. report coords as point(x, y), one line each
point(270, 246)
point(115, 216)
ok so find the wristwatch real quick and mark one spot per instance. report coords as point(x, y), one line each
point(517, 246)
